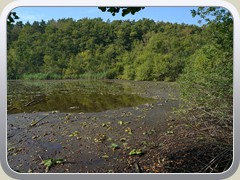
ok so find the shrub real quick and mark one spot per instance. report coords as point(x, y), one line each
point(207, 83)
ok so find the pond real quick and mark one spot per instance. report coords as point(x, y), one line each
point(72, 96)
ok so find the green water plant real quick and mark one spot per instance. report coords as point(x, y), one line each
point(75, 133)
point(48, 163)
point(135, 152)
point(114, 146)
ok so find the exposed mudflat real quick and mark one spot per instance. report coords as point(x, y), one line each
point(147, 138)
point(118, 140)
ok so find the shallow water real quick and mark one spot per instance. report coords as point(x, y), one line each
point(71, 96)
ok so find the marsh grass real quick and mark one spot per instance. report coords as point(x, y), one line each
point(50, 76)
point(102, 75)
point(41, 76)
point(47, 76)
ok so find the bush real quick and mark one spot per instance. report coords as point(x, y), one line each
point(128, 72)
point(144, 72)
point(207, 83)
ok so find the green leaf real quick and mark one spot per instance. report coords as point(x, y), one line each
point(135, 152)
point(114, 146)
point(48, 163)
point(75, 133)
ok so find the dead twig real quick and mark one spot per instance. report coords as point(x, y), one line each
point(34, 123)
point(209, 165)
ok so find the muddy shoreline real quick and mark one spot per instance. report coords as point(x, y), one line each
point(85, 142)
point(148, 138)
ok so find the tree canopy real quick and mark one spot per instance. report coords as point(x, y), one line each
point(97, 47)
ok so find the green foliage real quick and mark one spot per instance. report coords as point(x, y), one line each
point(128, 73)
point(94, 49)
point(144, 71)
point(12, 17)
point(213, 14)
point(135, 152)
point(41, 76)
point(114, 146)
point(125, 10)
point(48, 163)
point(75, 133)
point(92, 76)
point(207, 80)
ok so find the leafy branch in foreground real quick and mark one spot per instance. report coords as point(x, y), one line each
point(12, 17)
point(125, 10)
point(213, 14)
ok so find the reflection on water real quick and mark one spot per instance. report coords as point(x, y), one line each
point(70, 96)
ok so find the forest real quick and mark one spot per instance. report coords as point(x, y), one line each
point(68, 49)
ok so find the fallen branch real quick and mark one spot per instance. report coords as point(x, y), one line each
point(34, 123)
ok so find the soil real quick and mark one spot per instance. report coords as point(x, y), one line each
point(147, 138)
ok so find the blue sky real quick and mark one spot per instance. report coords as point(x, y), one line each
point(166, 14)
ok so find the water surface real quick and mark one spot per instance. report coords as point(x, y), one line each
point(71, 96)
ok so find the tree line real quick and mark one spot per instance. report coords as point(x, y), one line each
point(134, 50)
